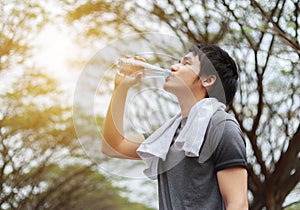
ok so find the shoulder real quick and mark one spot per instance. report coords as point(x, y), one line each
point(221, 117)
point(223, 138)
point(225, 126)
point(230, 144)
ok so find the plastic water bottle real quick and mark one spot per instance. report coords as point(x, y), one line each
point(149, 69)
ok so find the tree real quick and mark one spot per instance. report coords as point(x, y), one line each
point(19, 24)
point(42, 164)
point(266, 48)
point(79, 187)
point(270, 119)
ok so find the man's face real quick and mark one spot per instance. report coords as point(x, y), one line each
point(184, 76)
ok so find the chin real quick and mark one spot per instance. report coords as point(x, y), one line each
point(169, 88)
point(166, 87)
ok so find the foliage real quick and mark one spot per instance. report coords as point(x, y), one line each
point(81, 188)
point(268, 100)
point(42, 163)
point(19, 23)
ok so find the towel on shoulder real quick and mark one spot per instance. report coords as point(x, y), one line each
point(189, 140)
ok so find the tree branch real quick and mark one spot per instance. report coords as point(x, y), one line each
point(276, 28)
point(60, 184)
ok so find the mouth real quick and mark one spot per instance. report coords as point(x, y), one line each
point(168, 75)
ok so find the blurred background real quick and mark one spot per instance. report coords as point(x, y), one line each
point(56, 75)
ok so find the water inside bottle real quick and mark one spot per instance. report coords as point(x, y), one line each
point(149, 69)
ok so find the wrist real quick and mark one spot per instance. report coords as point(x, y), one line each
point(125, 82)
point(122, 87)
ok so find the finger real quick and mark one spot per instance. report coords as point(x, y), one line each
point(138, 76)
point(139, 58)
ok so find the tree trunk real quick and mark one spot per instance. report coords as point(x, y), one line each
point(272, 203)
point(268, 199)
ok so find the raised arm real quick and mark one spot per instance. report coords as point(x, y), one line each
point(114, 143)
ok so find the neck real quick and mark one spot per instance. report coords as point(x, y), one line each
point(186, 103)
point(185, 108)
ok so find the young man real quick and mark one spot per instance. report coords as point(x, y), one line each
point(198, 156)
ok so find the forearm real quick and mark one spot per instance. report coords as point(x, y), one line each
point(113, 132)
point(114, 143)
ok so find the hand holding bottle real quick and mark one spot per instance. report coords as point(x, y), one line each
point(137, 67)
point(129, 74)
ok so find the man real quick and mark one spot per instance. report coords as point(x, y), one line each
point(198, 156)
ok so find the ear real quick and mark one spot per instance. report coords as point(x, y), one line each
point(208, 81)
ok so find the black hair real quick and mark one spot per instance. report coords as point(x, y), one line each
point(216, 61)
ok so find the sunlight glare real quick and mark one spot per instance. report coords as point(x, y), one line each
point(54, 50)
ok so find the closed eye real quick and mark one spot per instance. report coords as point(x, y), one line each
point(184, 61)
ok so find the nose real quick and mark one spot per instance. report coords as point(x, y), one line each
point(174, 68)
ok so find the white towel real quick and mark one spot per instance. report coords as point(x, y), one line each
point(189, 140)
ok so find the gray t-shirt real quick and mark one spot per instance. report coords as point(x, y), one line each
point(191, 182)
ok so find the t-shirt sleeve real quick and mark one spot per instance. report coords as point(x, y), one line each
point(231, 150)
